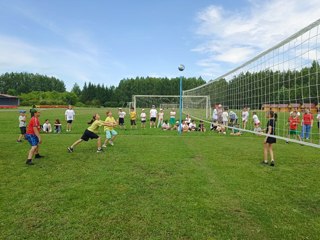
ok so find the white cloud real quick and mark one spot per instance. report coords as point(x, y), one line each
point(237, 36)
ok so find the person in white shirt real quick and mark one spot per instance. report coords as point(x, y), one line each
point(245, 116)
point(225, 117)
point(193, 125)
point(69, 114)
point(256, 121)
point(121, 115)
point(165, 125)
point(46, 127)
point(143, 118)
point(153, 116)
point(160, 117)
point(22, 125)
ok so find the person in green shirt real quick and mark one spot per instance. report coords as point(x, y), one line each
point(91, 133)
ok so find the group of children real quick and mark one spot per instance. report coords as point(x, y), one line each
point(221, 120)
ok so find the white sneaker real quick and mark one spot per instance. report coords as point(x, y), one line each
point(111, 143)
point(104, 146)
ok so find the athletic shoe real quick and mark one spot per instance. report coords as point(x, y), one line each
point(19, 141)
point(70, 149)
point(264, 162)
point(29, 162)
point(287, 142)
point(272, 164)
point(111, 143)
point(99, 150)
point(38, 156)
point(104, 146)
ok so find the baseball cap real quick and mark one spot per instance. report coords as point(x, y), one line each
point(22, 111)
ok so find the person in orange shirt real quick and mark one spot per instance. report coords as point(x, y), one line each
point(33, 137)
point(294, 122)
point(307, 123)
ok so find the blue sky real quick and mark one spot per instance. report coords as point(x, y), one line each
point(104, 41)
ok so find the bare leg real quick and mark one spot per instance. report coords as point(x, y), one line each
point(265, 151)
point(76, 143)
point(99, 142)
point(271, 151)
point(32, 152)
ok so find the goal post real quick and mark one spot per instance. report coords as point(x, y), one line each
point(190, 103)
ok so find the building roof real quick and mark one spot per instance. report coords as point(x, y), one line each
point(7, 96)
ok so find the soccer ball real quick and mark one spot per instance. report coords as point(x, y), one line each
point(181, 67)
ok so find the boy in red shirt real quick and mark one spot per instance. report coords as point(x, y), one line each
point(33, 137)
point(307, 123)
point(293, 122)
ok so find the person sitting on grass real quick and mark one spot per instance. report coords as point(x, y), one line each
point(165, 126)
point(236, 130)
point(57, 126)
point(201, 126)
point(192, 126)
point(91, 133)
point(47, 126)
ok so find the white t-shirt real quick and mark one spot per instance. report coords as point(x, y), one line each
point(22, 121)
point(245, 115)
point(143, 116)
point(215, 114)
point(172, 114)
point(255, 119)
point(47, 127)
point(70, 114)
point(188, 120)
point(122, 114)
point(225, 116)
point(153, 113)
point(161, 114)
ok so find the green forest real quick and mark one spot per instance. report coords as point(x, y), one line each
point(250, 89)
point(43, 90)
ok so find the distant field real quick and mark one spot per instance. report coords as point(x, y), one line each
point(155, 184)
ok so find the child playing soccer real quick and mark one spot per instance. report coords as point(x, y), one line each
point(22, 125)
point(269, 140)
point(110, 132)
point(172, 120)
point(245, 116)
point(160, 118)
point(91, 133)
point(121, 115)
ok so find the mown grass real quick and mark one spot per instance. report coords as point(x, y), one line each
point(156, 185)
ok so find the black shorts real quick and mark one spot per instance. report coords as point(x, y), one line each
point(121, 121)
point(88, 134)
point(133, 122)
point(69, 121)
point(271, 140)
point(23, 130)
point(143, 121)
point(318, 124)
point(153, 119)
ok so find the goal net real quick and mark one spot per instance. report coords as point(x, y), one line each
point(283, 79)
point(199, 105)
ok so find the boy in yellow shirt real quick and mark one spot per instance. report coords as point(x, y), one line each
point(110, 132)
point(133, 118)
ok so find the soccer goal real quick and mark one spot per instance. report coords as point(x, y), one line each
point(283, 79)
point(199, 105)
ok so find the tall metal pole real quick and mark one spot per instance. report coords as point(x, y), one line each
point(181, 68)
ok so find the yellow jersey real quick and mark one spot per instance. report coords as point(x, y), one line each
point(133, 115)
point(109, 120)
point(95, 126)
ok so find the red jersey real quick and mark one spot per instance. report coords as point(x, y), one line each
point(294, 122)
point(307, 118)
point(34, 122)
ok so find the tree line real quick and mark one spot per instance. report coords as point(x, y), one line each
point(44, 90)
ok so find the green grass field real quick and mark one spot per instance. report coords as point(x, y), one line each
point(154, 184)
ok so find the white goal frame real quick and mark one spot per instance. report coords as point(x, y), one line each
point(208, 105)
